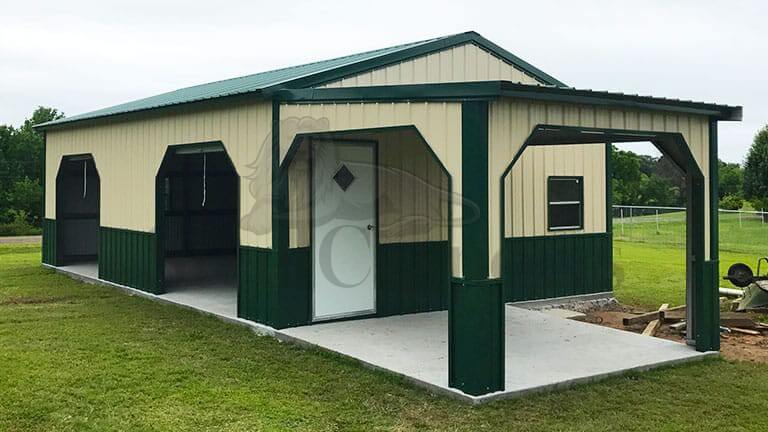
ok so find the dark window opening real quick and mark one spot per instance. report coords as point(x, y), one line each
point(565, 203)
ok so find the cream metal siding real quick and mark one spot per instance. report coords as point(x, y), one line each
point(466, 62)
point(413, 190)
point(128, 153)
point(526, 188)
point(438, 123)
point(512, 121)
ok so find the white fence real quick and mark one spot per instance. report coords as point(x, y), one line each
point(740, 230)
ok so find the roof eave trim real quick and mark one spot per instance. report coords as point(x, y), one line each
point(497, 89)
point(64, 122)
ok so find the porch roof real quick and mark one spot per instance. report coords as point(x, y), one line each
point(496, 89)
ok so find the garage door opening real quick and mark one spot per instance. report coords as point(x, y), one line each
point(197, 203)
point(77, 213)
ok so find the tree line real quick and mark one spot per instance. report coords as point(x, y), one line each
point(644, 180)
point(640, 180)
point(21, 167)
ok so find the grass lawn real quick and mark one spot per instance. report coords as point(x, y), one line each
point(647, 274)
point(748, 235)
point(84, 357)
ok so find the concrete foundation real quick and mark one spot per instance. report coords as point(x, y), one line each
point(543, 352)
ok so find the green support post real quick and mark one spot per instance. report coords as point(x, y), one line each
point(476, 307)
point(706, 300)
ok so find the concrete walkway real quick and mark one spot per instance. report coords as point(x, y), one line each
point(543, 352)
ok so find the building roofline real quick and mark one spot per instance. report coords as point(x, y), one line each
point(369, 61)
point(481, 90)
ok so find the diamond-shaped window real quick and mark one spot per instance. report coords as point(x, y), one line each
point(343, 177)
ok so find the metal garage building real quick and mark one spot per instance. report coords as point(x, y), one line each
point(442, 174)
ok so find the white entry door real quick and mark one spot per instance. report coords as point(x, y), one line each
point(344, 231)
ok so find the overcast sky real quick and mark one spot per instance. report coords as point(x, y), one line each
point(78, 56)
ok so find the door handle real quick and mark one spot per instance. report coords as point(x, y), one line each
point(370, 227)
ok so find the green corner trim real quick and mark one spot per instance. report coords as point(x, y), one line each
point(474, 182)
point(128, 258)
point(476, 336)
point(49, 242)
point(476, 304)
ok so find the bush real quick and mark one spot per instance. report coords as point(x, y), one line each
point(731, 202)
point(19, 226)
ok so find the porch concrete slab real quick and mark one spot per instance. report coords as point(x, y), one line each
point(543, 352)
point(88, 269)
point(207, 283)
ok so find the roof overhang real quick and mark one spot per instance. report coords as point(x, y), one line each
point(498, 89)
point(483, 90)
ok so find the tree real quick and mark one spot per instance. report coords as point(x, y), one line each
point(21, 158)
point(731, 179)
point(756, 171)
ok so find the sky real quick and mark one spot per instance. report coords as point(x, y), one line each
point(81, 55)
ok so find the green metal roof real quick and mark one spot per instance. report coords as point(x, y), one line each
point(307, 75)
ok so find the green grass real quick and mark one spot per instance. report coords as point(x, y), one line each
point(647, 275)
point(748, 236)
point(79, 357)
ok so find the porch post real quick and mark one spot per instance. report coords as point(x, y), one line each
point(706, 313)
point(476, 308)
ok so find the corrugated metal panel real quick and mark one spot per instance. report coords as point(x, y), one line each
point(557, 266)
point(461, 63)
point(512, 120)
point(438, 122)
point(526, 188)
point(128, 155)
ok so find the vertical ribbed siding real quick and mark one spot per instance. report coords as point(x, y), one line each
point(254, 269)
point(49, 242)
point(462, 63)
point(412, 277)
point(536, 268)
point(128, 258)
point(526, 187)
point(128, 152)
point(512, 120)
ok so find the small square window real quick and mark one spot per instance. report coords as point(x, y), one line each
point(565, 203)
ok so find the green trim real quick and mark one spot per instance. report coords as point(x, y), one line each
point(49, 242)
point(714, 202)
point(487, 90)
point(476, 306)
point(476, 336)
point(474, 184)
point(128, 258)
point(543, 267)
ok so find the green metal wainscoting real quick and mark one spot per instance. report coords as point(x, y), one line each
point(49, 242)
point(411, 278)
point(536, 268)
point(128, 258)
